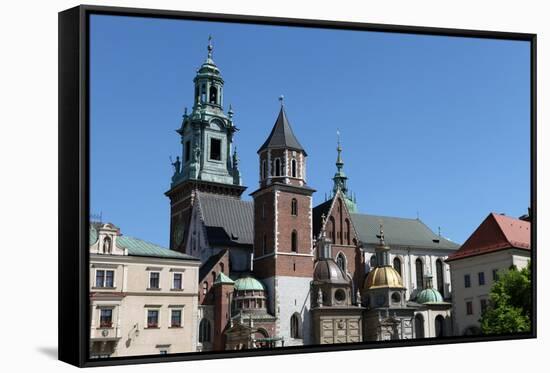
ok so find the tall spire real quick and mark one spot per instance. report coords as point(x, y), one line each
point(339, 177)
point(210, 47)
point(382, 250)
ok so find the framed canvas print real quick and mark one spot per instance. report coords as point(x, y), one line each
point(235, 186)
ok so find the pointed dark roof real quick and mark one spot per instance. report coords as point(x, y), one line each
point(281, 135)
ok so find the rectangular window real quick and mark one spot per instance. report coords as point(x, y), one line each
point(469, 308)
point(152, 318)
point(483, 304)
point(187, 151)
point(178, 281)
point(481, 278)
point(106, 318)
point(176, 319)
point(216, 149)
point(495, 274)
point(467, 282)
point(104, 279)
point(154, 280)
point(99, 278)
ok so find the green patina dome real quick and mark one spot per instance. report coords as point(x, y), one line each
point(249, 283)
point(429, 296)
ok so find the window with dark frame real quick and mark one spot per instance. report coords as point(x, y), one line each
point(152, 318)
point(204, 331)
point(154, 280)
point(419, 273)
point(495, 274)
point(397, 265)
point(106, 318)
point(175, 321)
point(99, 278)
point(294, 207)
point(294, 168)
point(178, 277)
point(483, 305)
point(104, 278)
point(109, 279)
point(481, 278)
point(439, 277)
point(469, 308)
point(277, 167)
point(467, 281)
point(215, 149)
point(294, 241)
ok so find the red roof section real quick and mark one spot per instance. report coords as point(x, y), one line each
point(497, 232)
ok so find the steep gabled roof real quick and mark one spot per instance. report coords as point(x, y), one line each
point(207, 266)
point(281, 135)
point(228, 221)
point(496, 232)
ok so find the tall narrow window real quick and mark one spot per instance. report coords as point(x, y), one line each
point(204, 331)
point(419, 326)
point(332, 229)
point(295, 326)
point(215, 149)
point(483, 305)
point(373, 262)
point(106, 318)
point(99, 278)
point(264, 245)
point(213, 95)
point(178, 281)
point(294, 207)
point(109, 279)
point(277, 167)
point(347, 232)
point(467, 281)
point(203, 93)
point(481, 278)
point(205, 287)
point(469, 308)
point(154, 280)
point(397, 265)
point(294, 168)
point(294, 241)
point(439, 326)
point(264, 169)
point(213, 276)
point(341, 261)
point(439, 276)
point(419, 274)
point(222, 267)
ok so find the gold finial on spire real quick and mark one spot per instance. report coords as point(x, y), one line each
point(281, 100)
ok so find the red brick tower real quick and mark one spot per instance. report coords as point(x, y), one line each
point(282, 230)
point(223, 289)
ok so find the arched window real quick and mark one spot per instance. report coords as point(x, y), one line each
point(205, 287)
point(222, 267)
point(294, 168)
point(107, 245)
point(203, 93)
point(373, 261)
point(204, 331)
point(294, 207)
point(294, 241)
point(397, 265)
point(347, 233)
point(341, 261)
point(439, 276)
point(277, 167)
point(439, 326)
point(295, 326)
point(213, 276)
point(419, 326)
point(332, 229)
point(213, 95)
point(419, 274)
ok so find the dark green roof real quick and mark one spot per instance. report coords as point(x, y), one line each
point(139, 247)
point(222, 278)
point(399, 232)
point(248, 283)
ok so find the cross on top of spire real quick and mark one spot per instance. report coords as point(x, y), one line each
point(210, 47)
point(281, 100)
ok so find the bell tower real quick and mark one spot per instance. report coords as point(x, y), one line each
point(208, 161)
point(283, 230)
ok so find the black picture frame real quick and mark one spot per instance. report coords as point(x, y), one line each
point(74, 179)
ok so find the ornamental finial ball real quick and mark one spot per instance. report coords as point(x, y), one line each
point(281, 99)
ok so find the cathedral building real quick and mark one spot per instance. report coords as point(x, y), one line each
point(277, 271)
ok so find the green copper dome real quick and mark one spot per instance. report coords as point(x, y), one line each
point(249, 283)
point(429, 296)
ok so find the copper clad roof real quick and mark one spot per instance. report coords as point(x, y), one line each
point(327, 270)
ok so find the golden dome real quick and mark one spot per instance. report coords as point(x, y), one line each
point(381, 277)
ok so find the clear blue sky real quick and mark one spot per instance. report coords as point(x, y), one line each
point(432, 124)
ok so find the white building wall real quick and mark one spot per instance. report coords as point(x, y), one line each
point(292, 297)
point(500, 260)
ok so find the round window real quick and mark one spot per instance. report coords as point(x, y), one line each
point(396, 297)
point(340, 295)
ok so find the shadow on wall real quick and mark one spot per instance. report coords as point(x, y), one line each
point(50, 352)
